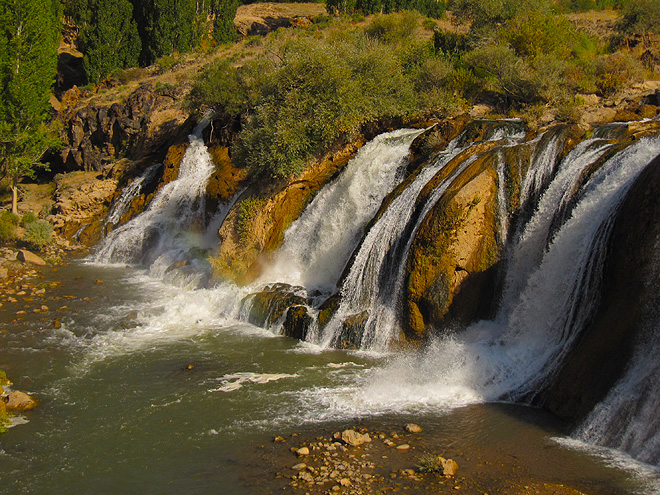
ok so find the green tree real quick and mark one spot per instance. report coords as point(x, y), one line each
point(166, 26)
point(110, 40)
point(29, 35)
point(224, 12)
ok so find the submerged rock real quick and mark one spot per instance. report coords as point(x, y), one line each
point(20, 401)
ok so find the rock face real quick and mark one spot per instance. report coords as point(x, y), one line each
point(261, 19)
point(453, 249)
point(98, 134)
point(605, 347)
point(81, 199)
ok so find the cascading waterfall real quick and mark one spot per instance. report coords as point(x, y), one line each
point(512, 356)
point(627, 419)
point(130, 192)
point(164, 229)
point(317, 245)
point(373, 286)
point(553, 264)
point(526, 250)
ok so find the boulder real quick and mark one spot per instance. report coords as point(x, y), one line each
point(26, 256)
point(353, 438)
point(352, 329)
point(20, 401)
point(265, 308)
point(453, 249)
point(297, 322)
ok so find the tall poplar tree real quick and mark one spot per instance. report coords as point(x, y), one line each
point(29, 35)
point(109, 36)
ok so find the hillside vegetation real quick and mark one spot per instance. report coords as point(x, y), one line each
point(308, 88)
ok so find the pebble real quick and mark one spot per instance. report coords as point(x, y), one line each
point(302, 451)
point(403, 446)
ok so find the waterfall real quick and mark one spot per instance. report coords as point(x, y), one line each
point(513, 355)
point(373, 287)
point(627, 419)
point(167, 227)
point(318, 244)
point(130, 192)
point(526, 250)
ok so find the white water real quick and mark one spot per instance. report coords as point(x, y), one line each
point(168, 225)
point(130, 192)
point(318, 244)
point(551, 286)
point(509, 357)
point(374, 283)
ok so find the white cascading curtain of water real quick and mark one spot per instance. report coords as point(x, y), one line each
point(318, 244)
point(163, 226)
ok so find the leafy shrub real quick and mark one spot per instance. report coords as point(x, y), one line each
point(503, 72)
point(450, 44)
point(429, 24)
point(28, 218)
point(485, 14)
point(38, 234)
point(219, 88)
point(165, 63)
point(6, 230)
point(534, 33)
point(10, 218)
point(393, 28)
point(317, 94)
point(429, 463)
point(640, 17)
point(612, 72)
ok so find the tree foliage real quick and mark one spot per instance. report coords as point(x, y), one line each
point(117, 34)
point(110, 40)
point(429, 8)
point(29, 35)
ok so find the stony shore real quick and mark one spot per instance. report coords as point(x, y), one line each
point(383, 459)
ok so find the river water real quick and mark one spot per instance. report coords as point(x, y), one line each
point(179, 400)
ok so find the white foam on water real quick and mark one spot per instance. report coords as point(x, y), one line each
point(646, 475)
point(235, 381)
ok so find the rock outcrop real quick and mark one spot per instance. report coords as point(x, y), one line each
point(98, 134)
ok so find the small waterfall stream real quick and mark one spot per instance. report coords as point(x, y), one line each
point(168, 224)
point(318, 244)
point(130, 192)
